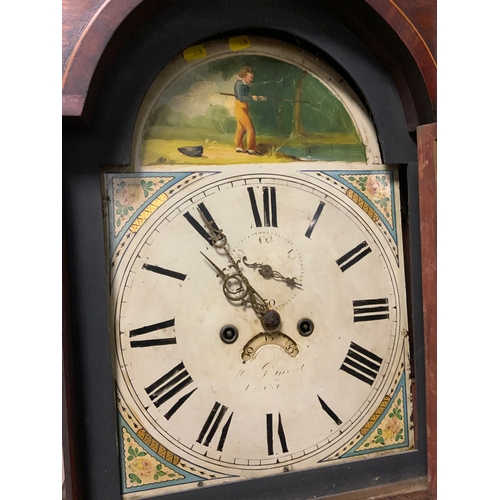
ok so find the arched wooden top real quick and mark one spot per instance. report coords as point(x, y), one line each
point(94, 30)
point(417, 33)
point(91, 27)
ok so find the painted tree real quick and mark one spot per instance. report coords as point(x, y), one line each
point(299, 104)
point(297, 125)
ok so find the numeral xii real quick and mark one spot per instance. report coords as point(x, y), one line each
point(270, 207)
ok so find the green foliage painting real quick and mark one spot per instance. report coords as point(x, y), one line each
point(294, 117)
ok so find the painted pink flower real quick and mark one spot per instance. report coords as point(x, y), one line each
point(132, 193)
point(142, 466)
point(391, 428)
point(372, 185)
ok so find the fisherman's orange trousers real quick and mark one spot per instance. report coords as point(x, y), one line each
point(243, 124)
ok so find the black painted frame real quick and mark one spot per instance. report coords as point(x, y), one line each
point(108, 141)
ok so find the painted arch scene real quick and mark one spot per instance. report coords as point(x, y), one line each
point(249, 108)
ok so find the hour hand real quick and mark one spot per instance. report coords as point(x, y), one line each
point(267, 272)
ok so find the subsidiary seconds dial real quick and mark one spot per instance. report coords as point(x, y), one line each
point(291, 393)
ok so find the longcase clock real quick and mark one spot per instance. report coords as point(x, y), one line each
point(244, 280)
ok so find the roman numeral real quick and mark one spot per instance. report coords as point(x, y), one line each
point(198, 227)
point(269, 204)
point(167, 386)
point(353, 256)
point(361, 363)
point(329, 411)
point(315, 218)
point(164, 272)
point(212, 423)
point(152, 328)
point(281, 434)
point(370, 309)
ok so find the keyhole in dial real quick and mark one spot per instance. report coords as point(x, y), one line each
point(305, 327)
point(228, 334)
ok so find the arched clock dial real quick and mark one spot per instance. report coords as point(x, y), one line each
point(259, 321)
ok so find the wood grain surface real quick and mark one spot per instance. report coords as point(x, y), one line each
point(90, 25)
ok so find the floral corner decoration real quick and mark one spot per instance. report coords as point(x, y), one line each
point(141, 468)
point(130, 194)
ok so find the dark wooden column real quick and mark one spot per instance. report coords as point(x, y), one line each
point(427, 170)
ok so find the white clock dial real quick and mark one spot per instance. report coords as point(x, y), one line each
point(206, 374)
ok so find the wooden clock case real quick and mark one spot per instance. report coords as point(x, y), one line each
point(104, 84)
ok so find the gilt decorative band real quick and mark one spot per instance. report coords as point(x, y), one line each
point(361, 203)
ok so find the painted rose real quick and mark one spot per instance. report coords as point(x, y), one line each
point(131, 193)
point(142, 467)
point(391, 428)
point(375, 187)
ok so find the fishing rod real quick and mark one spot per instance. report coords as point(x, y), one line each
point(279, 100)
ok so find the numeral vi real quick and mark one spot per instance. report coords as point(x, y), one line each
point(270, 434)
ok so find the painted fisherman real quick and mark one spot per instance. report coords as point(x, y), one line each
point(244, 123)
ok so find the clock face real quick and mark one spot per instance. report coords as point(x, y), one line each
point(259, 320)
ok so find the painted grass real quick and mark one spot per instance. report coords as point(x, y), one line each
point(219, 149)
